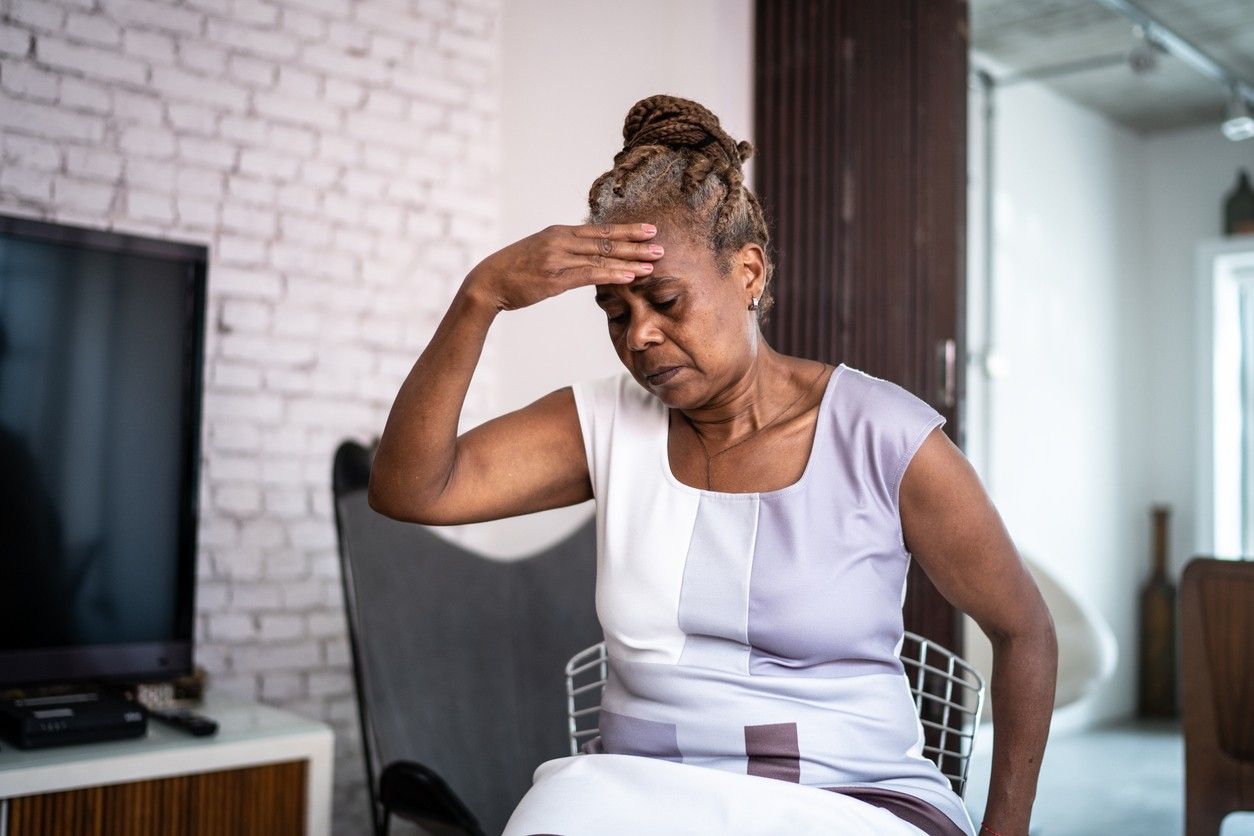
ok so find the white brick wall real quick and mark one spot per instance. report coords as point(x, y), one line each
point(339, 158)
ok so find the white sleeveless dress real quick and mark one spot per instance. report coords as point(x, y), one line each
point(753, 681)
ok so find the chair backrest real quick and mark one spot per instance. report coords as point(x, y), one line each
point(943, 686)
point(946, 687)
point(453, 652)
point(1218, 638)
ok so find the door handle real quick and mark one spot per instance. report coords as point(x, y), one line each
point(947, 372)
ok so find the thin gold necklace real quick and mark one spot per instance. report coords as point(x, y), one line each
point(778, 415)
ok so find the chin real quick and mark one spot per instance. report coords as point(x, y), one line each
point(669, 395)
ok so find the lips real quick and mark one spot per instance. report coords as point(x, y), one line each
point(661, 374)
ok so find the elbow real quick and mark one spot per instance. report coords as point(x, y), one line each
point(1044, 629)
point(1051, 637)
point(1033, 647)
point(376, 498)
point(1033, 623)
point(380, 497)
point(385, 498)
point(1038, 630)
point(403, 493)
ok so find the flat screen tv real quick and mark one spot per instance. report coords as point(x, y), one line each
point(101, 357)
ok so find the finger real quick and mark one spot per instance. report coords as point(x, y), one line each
point(582, 243)
point(619, 232)
point(586, 274)
point(607, 269)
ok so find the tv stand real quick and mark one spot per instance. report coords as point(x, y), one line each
point(266, 771)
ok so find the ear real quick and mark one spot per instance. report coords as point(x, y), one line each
point(749, 268)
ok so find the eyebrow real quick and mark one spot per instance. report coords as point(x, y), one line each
point(638, 285)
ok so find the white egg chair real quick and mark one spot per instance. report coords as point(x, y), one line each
point(1087, 648)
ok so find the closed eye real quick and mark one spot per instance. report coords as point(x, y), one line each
point(659, 305)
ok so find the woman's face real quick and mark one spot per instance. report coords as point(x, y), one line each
point(685, 314)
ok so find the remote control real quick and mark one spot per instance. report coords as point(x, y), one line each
point(189, 721)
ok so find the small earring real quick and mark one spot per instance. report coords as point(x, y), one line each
point(753, 306)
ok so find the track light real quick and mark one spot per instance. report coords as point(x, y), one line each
point(1239, 121)
point(1143, 57)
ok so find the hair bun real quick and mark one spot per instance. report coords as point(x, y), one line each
point(675, 122)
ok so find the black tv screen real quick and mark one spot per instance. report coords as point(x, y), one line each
point(101, 357)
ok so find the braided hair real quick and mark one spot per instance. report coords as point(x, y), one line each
point(677, 162)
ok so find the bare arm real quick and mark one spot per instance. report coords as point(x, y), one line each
point(524, 461)
point(528, 460)
point(953, 530)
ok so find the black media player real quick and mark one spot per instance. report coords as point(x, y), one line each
point(37, 722)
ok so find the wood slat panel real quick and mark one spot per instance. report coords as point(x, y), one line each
point(860, 123)
point(255, 801)
point(940, 148)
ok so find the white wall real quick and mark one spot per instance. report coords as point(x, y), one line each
point(1064, 426)
point(339, 160)
point(1188, 173)
point(567, 87)
point(1095, 419)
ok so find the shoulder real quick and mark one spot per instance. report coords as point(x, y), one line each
point(878, 399)
point(605, 384)
point(617, 417)
point(886, 420)
point(614, 401)
point(608, 391)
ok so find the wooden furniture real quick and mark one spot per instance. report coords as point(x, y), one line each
point(1217, 651)
point(266, 771)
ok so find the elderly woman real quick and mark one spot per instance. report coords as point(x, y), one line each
point(756, 516)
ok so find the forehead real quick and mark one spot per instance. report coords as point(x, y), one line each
point(684, 262)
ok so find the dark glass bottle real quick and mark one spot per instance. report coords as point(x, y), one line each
point(1239, 207)
point(1157, 681)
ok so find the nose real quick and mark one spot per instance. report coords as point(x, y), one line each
point(642, 332)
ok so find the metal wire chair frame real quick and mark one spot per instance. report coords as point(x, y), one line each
point(920, 657)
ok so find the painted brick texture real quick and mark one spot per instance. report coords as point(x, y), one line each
point(339, 158)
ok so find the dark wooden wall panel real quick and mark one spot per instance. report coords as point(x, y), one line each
point(860, 112)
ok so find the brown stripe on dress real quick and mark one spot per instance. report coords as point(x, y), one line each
point(773, 751)
point(911, 808)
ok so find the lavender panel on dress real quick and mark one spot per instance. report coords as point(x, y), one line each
point(824, 580)
point(622, 734)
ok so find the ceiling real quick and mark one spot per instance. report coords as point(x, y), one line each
point(1025, 35)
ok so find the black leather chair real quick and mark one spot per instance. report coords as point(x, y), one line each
point(459, 660)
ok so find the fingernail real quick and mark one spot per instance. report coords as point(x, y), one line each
point(648, 227)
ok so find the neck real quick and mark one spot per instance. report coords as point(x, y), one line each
point(769, 387)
